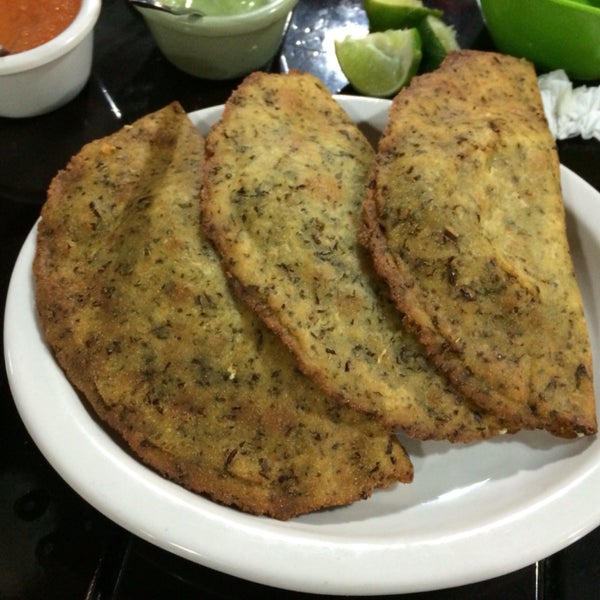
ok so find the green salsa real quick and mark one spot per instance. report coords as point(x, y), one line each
point(225, 7)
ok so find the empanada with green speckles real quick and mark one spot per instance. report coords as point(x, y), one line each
point(465, 221)
point(284, 183)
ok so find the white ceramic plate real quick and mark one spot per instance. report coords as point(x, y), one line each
point(472, 513)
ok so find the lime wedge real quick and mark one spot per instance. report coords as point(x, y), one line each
point(380, 63)
point(396, 14)
point(437, 38)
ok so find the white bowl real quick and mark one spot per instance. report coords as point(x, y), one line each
point(221, 47)
point(44, 78)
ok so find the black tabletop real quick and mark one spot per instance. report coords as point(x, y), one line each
point(52, 543)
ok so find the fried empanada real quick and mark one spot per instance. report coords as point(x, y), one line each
point(285, 178)
point(465, 220)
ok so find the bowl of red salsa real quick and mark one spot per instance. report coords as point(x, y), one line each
point(45, 53)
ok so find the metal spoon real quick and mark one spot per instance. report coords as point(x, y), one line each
point(178, 11)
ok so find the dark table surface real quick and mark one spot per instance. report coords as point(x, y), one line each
point(52, 543)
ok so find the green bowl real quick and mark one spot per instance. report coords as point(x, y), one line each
point(553, 34)
point(221, 47)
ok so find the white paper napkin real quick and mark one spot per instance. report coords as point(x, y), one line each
point(570, 111)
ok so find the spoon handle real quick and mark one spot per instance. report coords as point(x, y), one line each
point(172, 10)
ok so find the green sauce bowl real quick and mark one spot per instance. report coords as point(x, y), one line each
point(553, 34)
point(221, 47)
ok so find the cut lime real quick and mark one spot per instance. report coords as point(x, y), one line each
point(379, 64)
point(396, 14)
point(437, 38)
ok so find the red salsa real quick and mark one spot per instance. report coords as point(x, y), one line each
point(25, 24)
